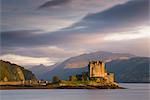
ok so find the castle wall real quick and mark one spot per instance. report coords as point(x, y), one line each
point(97, 69)
point(110, 77)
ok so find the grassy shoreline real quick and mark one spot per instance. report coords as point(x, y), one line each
point(66, 85)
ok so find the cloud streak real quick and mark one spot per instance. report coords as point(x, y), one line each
point(53, 3)
point(27, 60)
point(24, 15)
point(118, 18)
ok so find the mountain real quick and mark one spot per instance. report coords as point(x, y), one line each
point(13, 72)
point(77, 64)
point(130, 70)
point(38, 70)
point(82, 60)
point(41, 69)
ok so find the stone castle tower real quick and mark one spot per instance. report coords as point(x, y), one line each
point(97, 69)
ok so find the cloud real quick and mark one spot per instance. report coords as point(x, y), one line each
point(76, 9)
point(121, 17)
point(27, 60)
point(53, 52)
point(31, 22)
point(29, 38)
point(142, 32)
point(139, 47)
point(18, 6)
point(110, 29)
point(24, 15)
point(53, 3)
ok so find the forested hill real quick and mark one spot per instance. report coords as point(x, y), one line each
point(13, 72)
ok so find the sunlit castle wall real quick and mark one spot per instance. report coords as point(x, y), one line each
point(96, 69)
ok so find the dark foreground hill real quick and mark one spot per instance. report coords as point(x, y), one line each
point(13, 72)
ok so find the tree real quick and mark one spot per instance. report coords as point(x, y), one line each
point(72, 78)
point(84, 76)
point(55, 79)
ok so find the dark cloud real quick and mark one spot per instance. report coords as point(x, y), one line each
point(121, 17)
point(53, 3)
point(29, 38)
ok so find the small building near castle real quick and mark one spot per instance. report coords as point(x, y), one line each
point(96, 69)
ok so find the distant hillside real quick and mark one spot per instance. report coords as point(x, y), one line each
point(41, 69)
point(131, 70)
point(13, 72)
point(82, 60)
point(77, 64)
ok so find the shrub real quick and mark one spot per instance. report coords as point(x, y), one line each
point(55, 79)
point(72, 78)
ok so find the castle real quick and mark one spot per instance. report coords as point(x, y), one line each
point(96, 69)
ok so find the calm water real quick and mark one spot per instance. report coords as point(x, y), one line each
point(134, 92)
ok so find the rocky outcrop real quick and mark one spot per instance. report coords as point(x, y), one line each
point(13, 72)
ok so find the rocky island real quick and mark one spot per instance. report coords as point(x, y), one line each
point(13, 76)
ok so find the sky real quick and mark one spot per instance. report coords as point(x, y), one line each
point(49, 31)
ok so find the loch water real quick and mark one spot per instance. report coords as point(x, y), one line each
point(133, 92)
